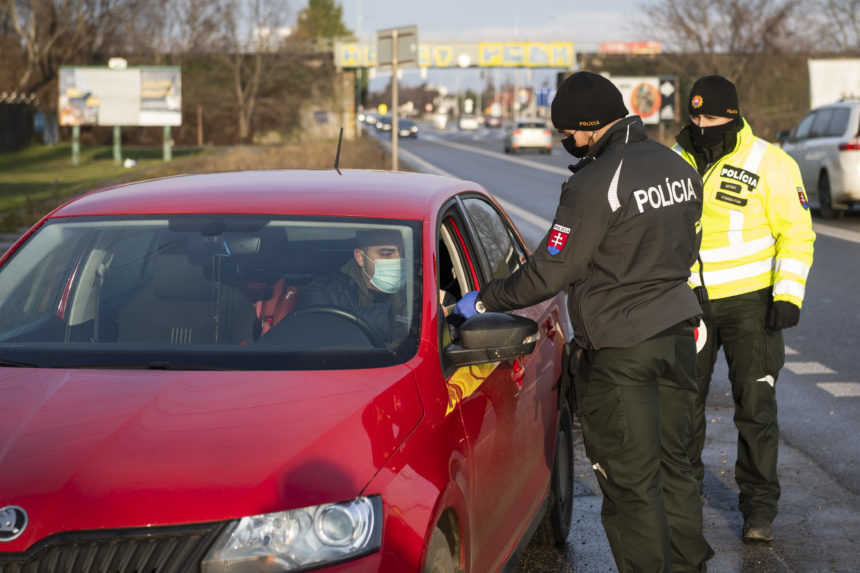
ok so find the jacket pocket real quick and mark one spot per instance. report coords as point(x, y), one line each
point(604, 423)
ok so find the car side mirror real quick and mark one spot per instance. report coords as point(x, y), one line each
point(493, 337)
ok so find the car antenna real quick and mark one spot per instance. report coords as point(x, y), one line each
point(337, 156)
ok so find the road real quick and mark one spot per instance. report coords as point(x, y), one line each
point(818, 391)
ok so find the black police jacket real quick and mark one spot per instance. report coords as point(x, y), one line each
point(626, 232)
point(347, 289)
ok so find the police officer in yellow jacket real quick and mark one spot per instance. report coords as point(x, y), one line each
point(755, 257)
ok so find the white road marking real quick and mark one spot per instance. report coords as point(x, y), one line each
point(841, 389)
point(512, 209)
point(808, 368)
point(502, 156)
point(789, 351)
point(836, 232)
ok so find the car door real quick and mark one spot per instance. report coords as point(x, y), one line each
point(796, 148)
point(485, 397)
point(534, 415)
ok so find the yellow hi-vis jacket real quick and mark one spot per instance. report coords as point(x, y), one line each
point(756, 226)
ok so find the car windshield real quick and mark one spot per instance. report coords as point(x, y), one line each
point(531, 125)
point(222, 292)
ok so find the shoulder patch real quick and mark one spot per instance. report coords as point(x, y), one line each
point(557, 239)
point(801, 195)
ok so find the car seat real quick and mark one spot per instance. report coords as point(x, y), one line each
point(178, 304)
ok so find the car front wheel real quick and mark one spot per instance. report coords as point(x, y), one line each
point(824, 199)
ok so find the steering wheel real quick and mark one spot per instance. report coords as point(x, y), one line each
point(338, 312)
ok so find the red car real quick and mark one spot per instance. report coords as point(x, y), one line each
point(175, 397)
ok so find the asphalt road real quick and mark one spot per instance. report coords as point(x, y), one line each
point(818, 391)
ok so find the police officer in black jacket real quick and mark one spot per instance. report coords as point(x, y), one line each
point(624, 237)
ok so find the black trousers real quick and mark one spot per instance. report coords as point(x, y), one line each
point(755, 357)
point(636, 408)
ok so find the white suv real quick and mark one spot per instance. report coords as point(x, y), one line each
point(826, 146)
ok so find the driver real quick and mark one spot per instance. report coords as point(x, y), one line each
point(370, 285)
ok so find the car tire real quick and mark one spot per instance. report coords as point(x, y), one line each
point(824, 200)
point(439, 557)
point(555, 527)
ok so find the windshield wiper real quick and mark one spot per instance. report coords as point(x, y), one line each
point(154, 365)
point(16, 364)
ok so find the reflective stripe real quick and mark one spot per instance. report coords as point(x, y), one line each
point(677, 149)
point(740, 251)
point(792, 288)
point(792, 266)
point(612, 194)
point(723, 276)
point(759, 147)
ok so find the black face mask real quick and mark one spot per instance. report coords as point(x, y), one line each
point(707, 137)
point(570, 145)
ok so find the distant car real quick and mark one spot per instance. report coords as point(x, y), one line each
point(493, 121)
point(384, 123)
point(407, 128)
point(826, 147)
point(370, 118)
point(440, 120)
point(468, 123)
point(170, 404)
point(528, 134)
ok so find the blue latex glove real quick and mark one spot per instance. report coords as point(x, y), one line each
point(465, 307)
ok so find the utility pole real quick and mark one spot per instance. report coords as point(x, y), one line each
point(394, 103)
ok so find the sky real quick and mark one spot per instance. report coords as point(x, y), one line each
point(584, 23)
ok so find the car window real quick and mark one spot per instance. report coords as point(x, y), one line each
point(213, 291)
point(838, 122)
point(821, 123)
point(802, 130)
point(531, 125)
point(501, 250)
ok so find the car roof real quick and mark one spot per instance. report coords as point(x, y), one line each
point(353, 193)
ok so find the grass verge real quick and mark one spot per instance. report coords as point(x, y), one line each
point(37, 179)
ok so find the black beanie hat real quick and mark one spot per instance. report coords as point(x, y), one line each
point(714, 95)
point(586, 102)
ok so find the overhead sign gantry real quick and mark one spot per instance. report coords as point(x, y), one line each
point(558, 55)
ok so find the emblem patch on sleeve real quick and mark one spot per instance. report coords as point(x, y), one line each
point(557, 239)
point(804, 202)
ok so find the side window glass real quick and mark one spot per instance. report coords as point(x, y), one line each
point(802, 131)
point(839, 122)
point(501, 250)
point(822, 121)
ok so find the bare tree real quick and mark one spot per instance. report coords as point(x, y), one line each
point(249, 31)
point(703, 32)
point(194, 25)
point(54, 32)
point(838, 25)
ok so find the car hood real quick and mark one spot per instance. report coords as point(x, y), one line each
point(108, 449)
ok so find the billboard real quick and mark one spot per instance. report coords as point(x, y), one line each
point(651, 98)
point(630, 48)
point(146, 96)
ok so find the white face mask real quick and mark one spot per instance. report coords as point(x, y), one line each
point(387, 274)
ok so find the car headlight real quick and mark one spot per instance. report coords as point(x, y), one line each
point(414, 128)
point(298, 539)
